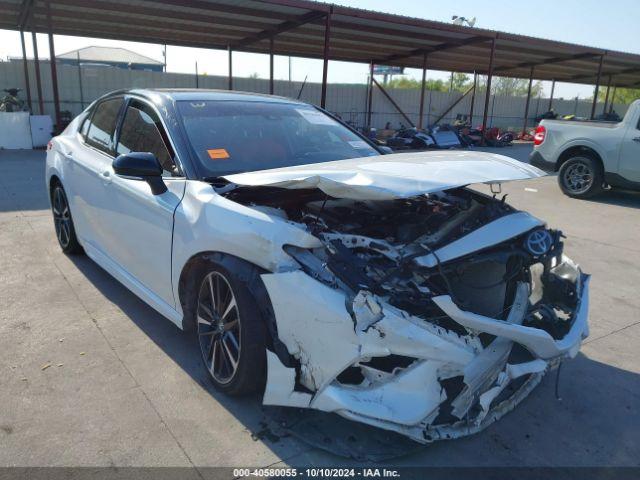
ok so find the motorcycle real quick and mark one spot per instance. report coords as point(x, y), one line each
point(550, 115)
point(410, 139)
point(11, 103)
point(609, 117)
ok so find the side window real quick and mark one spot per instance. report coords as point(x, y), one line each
point(103, 123)
point(142, 131)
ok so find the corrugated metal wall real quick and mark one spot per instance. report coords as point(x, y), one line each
point(347, 100)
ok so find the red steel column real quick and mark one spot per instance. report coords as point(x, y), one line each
point(36, 61)
point(370, 94)
point(613, 98)
point(473, 97)
point(325, 56)
point(553, 87)
point(230, 67)
point(271, 66)
point(422, 89)
point(26, 71)
point(54, 73)
point(487, 96)
point(606, 97)
point(595, 94)
point(526, 108)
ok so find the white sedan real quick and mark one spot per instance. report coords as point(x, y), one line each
point(315, 269)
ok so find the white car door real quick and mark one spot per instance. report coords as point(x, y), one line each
point(139, 224)
point(630, 154)
point(86, 160)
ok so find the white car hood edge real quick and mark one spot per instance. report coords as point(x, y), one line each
point(399, 175)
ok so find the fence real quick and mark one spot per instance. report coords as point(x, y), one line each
point(80, 86)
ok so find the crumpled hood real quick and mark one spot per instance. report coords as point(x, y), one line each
point(399, 175)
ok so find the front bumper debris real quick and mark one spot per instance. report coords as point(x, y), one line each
point(537, 341)
point(374, 363)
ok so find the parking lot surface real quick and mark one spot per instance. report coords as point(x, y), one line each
point(91, 376)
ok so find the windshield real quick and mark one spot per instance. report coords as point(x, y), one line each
point(243, 136)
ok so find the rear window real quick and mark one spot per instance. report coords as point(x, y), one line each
point(239, 136)
point(103, 123)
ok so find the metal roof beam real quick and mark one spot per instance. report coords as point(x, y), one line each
point(608, 72)
point(116, 20)
point(221, 8)
point(364, 30)
point(67, 17)
point(160, 34)
point(436, 48)
point(25, 8)
point(100, 7)
point(282, 27)
point(546, 61)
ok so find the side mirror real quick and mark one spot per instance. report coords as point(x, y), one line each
point(141, 166)
point(385, 150)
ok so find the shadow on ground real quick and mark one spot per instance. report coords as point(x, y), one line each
point(620, 198)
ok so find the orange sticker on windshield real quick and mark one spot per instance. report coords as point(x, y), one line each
point(218, 154)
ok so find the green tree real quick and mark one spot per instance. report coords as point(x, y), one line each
point(622, 95)
point(411, 83)
point(461, 82)
point(514, 87)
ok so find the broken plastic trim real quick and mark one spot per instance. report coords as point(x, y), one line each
point(536, 340)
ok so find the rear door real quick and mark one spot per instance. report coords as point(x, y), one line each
point(630, 153)
point(139, 228)
point(84, 175)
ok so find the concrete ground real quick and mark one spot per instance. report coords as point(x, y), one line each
point(91, 376)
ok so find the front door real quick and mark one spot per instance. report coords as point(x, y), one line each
point(140, 224)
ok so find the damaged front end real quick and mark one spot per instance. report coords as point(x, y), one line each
point(431, 316)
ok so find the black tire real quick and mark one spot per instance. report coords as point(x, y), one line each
point(249, 373)
point(63, 222)
point(581, 177)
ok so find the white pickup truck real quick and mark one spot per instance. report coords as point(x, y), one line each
point(590, 155)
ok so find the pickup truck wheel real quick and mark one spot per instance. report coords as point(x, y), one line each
point(581, 177)
point(230, 332)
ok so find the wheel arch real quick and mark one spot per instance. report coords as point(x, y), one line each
point(246, 272)
point(576, 150)
point(54, 180)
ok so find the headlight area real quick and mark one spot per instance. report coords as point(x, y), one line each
point(432, 353)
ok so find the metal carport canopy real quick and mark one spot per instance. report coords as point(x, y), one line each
point(297, 28)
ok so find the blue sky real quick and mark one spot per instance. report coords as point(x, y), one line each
point(610, 25)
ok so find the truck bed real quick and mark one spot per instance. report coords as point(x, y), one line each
point(583, 123)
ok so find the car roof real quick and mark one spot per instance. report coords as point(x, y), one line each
point(201, 94)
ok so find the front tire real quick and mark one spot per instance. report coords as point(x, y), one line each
point(62, 221)
point(230, 332)
point(581, 177)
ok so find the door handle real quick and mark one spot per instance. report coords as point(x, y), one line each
point(636, 139)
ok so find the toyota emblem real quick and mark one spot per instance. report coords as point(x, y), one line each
point(539, 242)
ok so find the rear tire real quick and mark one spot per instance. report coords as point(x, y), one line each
point(63, 222)
point(230, 331)
point(581, 177)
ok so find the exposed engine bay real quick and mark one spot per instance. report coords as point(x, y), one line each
point(443, 310)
